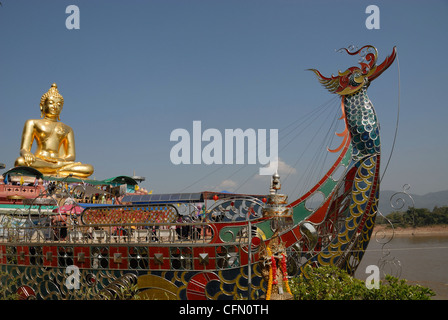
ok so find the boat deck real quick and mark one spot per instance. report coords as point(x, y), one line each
point(192, 233)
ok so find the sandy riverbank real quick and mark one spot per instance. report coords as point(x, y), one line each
point(419, 231)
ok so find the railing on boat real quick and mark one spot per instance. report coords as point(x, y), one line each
point(140, 233)
point(144, 237)
point(174, 246)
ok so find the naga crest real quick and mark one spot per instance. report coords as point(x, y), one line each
point(354, 78)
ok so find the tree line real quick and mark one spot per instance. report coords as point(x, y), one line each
point(414, 217)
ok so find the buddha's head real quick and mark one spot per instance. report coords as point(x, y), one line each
point(51, 103)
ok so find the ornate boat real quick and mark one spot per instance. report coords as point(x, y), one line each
point(208, 245)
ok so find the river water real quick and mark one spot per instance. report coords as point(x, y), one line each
point(419, 259)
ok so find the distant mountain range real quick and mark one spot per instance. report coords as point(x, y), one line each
point(429, 200)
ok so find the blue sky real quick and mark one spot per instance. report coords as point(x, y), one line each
point(137, 70)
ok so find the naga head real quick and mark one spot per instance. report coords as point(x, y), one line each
point(354, 78)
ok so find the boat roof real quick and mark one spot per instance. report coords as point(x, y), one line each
point(115, 180)
point(183, 197)
point(31, 172)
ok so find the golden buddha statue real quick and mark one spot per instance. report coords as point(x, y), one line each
point(55, 152)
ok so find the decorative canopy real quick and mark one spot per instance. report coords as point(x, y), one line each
point(24, 171)
point(121, 180)
point(31, 172)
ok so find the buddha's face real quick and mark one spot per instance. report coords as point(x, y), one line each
point(52, 107)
